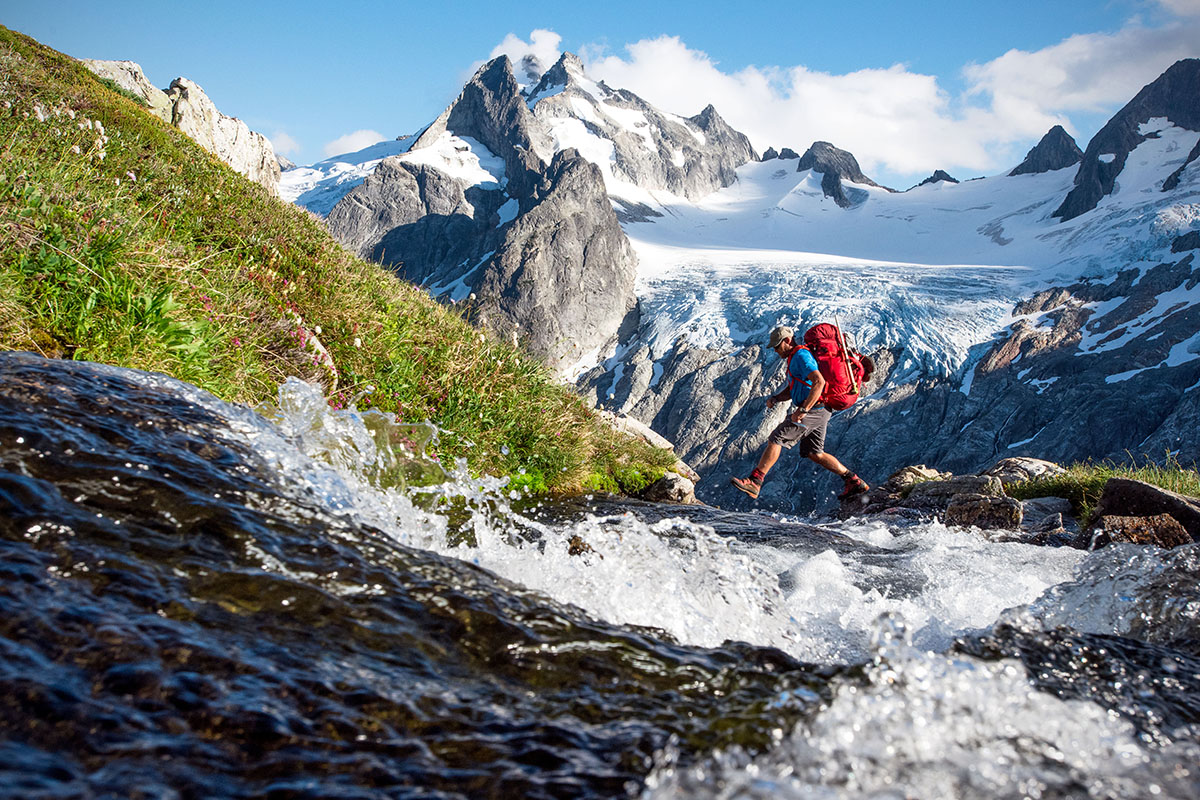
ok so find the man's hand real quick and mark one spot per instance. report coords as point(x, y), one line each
point(771, 402)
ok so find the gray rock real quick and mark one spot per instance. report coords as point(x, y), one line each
point(563, 274)
point(129, 76)
point(938, 176)
point(1175, 95)
point(690, 157)
point(835, 165)
point(939, 492)
point(285, 163)
point(1022, 468)
point(788, 153)
point(984, 511)
point(1187, 241)
point(1042, 514)
point(559, 276)
point(1172, 180)
point(1160, 530)
point(228, 138)
point(1056, 150)
point(671, 488)
point(770, 154)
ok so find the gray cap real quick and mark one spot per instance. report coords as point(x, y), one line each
point(778, 335)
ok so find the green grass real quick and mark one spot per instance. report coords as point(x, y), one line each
point(124, 242)
point(1083, 484)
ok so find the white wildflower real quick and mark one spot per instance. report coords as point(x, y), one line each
point(75, 149)
point(317, 330)
point(39, 113)
point(357, 342)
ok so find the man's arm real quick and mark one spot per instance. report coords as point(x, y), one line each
point(814, 396)
point(779, 397)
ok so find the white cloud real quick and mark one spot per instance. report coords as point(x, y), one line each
point(898, 121)
point(352, 142)
point(283, 144)
point(1184, 8)
point(530, 59)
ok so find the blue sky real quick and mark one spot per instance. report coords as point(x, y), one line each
point(908, 87)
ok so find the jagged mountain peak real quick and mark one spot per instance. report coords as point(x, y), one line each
point(1055, 150)
point(566, 71)
point(836, 165)
point(938, 176)
point(823, 157)
point(1174, 96)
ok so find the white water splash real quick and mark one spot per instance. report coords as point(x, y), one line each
point(681, 577)
point(931, 726)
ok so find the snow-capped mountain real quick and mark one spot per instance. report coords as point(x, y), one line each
point(1003, 325)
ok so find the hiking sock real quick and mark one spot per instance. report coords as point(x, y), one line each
point(758, 476)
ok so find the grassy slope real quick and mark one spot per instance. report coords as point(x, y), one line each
point(129, 244)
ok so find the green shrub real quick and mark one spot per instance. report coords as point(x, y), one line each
point(1083, 484)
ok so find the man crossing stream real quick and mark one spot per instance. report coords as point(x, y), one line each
point(815, 400)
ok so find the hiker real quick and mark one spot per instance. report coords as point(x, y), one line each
point(805, 423)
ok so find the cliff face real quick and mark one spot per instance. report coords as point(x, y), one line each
point(472, 209)
point(1174, 96)
point(187, 107)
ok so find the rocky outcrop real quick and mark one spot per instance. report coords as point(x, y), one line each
point(1175, 95)
point(671, 488)
point(129, 76)
point(938, 176)
point(1172, 180)
point(1160, 530)
point(539, 247)
point(186, 106)
point(563, 275)
point(228, 138)
point(835, 165)
point(1056, 150)
point(691, 157)
point(1127, 497)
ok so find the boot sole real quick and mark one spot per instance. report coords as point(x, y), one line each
point(744, 490)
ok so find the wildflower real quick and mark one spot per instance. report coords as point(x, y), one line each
point(357, 342)
point(131, 176)
point(317, 330)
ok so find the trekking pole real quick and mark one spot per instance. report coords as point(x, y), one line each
point(846, 355)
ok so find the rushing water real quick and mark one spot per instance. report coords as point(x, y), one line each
point(199, 601)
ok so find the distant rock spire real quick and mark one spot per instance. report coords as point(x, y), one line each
point(1056, 150)
point(835, 165)
point(938, 176)
point(1175, 95)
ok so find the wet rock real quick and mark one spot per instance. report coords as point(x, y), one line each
point(1127, 497)
point(577, 546)
point(671, 488)
point(984, 511)
point(1015, 470)
point(1043, 514)
point(1161, 530)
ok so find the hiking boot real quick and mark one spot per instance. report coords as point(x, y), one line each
point(747, 485)
point(854, 486)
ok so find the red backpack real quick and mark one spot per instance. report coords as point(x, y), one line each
point(843, 369)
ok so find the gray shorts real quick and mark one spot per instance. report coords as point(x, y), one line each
point(810, 433)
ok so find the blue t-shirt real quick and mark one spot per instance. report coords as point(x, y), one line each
point(800, 366)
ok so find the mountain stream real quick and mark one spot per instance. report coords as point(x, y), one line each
point(200, 600)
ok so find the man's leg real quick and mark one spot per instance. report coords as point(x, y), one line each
point(852, 484)
point(770, 455)
point(829, 462)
